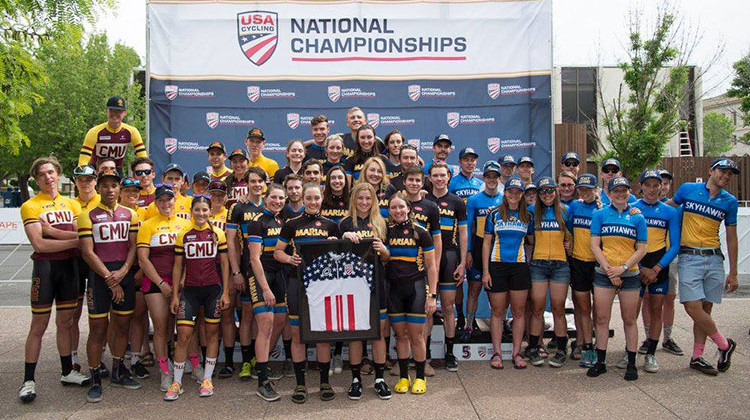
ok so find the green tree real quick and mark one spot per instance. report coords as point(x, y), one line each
point(717, 134)
point(639, 122)
point(741, 89)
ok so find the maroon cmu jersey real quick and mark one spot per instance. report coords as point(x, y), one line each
point(200, 245)
point(110, 231)
point(100, 142)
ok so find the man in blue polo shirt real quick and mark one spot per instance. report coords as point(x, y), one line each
point(701, 263)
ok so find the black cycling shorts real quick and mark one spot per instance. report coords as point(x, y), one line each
point(277, 283)
point(83, 277)
point(54, 281)
point(406, 300)
point(509, 276)
point(193, 298)
point(448, 263)
point(99, 295)
point(581, 275)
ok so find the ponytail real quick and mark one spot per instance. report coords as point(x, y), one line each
point(206, 199)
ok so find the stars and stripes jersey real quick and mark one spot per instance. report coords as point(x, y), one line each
point(86, 205)
point(182, 205)
point(60, 212)
point(407, 244)
point(549, 237)
point(110, 230)
point(384, 199)
point(145, 197)
point(282, 173)
point(605, 198)
point(338, 288)
point(315, 151)
point(478, 206)
point(465, 187)
point(702, 214)
point(288, 213)
point(200, 246)
point(265, 230)
point(353, 165)
point(427, 215)
point(159, 235)
point(579, 223)
point(619, 232)
point(221, 175)
point(219, 220)
point(238, 219)
point(305, 228)
point(336, 210)
point(507, 236)
point(103, 142)
point(236, 188)
point(663, 223)
point(452, 215)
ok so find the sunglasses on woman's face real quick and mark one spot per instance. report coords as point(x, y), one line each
point(571, 163)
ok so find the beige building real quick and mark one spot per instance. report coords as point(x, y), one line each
point(730, 108)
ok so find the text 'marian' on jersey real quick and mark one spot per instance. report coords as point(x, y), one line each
point(307, 227)
point(407, 245)
point(265, 230)
point(702, 215)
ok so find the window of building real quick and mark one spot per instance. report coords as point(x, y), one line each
point(579, 100)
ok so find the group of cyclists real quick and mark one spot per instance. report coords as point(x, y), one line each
point(197, 254)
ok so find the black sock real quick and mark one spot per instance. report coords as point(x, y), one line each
point(338, 349)
point(203, 352)
point(299, 372)
point(67, 364)
point(427, 346)
point(601, 356)
point(459, 310)
point(587, 347)
point(364, 349)
point(420, 369)
point(449, 345)
point(562, 344)
point(403, 367)
point(252, 350)
point(245, 350)
point(324, 371)
point(631, 357)
point(651, 346)
point(28, 371)
point(356, 372)
point(262, 368)
point(229, 357)
point(287, 349)
point(379, 370)
point(96, 376)
point(533, 342)
point(388, 348)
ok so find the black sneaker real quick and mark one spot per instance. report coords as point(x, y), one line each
point(95, 393)
point(226, 372)
point(725, 356)
point(266, 392)
point(103, 370)
point(140, 371)
point(451, 364)
point(535, 358)
point(671, 347)
point(631, 373)
point(643, 349)
point(558, 359)
point(355, 390)
point(381, 388)
point(596, 370)
point(124, 380)
point(700, 364)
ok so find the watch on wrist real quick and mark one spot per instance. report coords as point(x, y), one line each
point(625, 267)
point(432, 295)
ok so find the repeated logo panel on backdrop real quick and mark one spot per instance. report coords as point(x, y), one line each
point(477, 71)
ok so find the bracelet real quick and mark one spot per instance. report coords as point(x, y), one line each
point(161, 282)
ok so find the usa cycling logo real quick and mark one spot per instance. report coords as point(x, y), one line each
point(292, 120)
point(493, 89)
point(334, 93)
point(453, 118)
point(171, 92)
point(373, 120)
point(415, 91)
point(257, 33)
point(212, 119)
point(253, 93)
point(170, 144)
point(493, 143)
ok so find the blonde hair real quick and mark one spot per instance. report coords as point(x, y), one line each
point(43, 161)
point(375, 160)
point(376, 220)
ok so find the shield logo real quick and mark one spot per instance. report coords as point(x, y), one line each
point(415, 91)
point(493, 89)
point(253, 93)
point(452, 118)
point(414, 142)
point(171, 92)
point(257, 33)
point(170, 144)
point(373, 120)
point(292, 120)
point(212, 119)
point(334, 93)
point(493, 143)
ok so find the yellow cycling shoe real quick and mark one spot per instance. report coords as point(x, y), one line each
point(402, 386)
point(419, 386)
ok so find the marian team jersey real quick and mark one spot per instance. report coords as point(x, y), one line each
point(305, 228)
point(110, 231)
point(427, 215)
point(353, 166)
point(338, 288)
point(102, 142)
point(465, 187)
point(281, 174)
point(477, 208)
point(315, 151)
point(384, 199)
point(407, 244)
point(288, 213)
point(507, 236)
point(619, 232)
point(549, 237)
point(265, 230)
point(200, 245)
point(60, 213)
point(663, 222)
point(159, 235)
point(238, 219)
point(452, 215)
point(702, 214)
point(336, 210)
point(579, 222)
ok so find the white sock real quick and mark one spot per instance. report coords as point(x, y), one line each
point(74, 357)
point(179, 369)
point(210, 365)
point(135, 357)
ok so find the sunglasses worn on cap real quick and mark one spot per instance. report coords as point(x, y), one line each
point(571, 163)
point(141, 172)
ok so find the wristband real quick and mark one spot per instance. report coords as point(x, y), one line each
point(161, 282)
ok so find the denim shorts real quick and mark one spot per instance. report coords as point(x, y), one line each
point(628, 283)
point(554, 271)
point(701, 277)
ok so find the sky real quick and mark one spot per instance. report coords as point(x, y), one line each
point(585, 32)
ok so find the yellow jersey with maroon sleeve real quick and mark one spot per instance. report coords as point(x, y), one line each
point(145, 197)
point(103, 142)
point(200, 246)
point(219, 220)
point(181, 208)
point(110, 230)
point(60, 212)
point(159, 235)
point(221, 175)
point(86, 205)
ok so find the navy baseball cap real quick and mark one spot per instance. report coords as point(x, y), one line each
point(239, 152)
point(508, 160)
point(618, 181)
point(546, 182)
point(218, 185)
point(109, 174)
point(526, 159)
point(725, 163)
point(587, 181)
point(201, 176)
point(117, 102)
point(570, 156)
point(163, 189)
point(530, 186)
point(467, 151)
point(442, 137)
point(666, 174)
point(514, 182)
point(174, 167)
point(256, 132)
point(612, 162)
point(650, 174)
point(491, 166)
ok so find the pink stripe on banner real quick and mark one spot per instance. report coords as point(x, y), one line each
point(318, 59)
point(329, 322)
point(350, 307)
point(256, 47)
point(340, 312)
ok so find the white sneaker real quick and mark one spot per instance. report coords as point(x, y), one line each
point(338, 364)
point(27, 392)
point(166, 381)
point(650, 365)
point(622, 363)
point(75, 378)
point(197, 373)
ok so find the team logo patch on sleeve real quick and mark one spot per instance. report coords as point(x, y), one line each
point(257, 33)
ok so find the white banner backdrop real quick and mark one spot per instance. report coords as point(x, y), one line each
point(11, 227)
